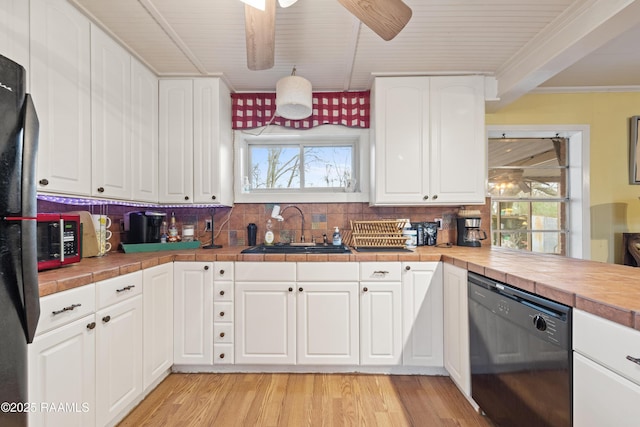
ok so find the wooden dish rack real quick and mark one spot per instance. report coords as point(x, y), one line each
point(377, 234)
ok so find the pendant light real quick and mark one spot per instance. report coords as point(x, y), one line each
point(294, 100)
point(286, 3)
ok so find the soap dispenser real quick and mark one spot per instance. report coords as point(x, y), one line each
point(337, 238)
point(268, 235)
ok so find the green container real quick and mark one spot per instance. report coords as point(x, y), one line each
point(131, 248)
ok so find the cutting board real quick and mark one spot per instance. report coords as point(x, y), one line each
point(90, 246)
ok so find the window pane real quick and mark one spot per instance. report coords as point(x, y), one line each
point(547, 243)
point(527, 183)
point(275, 166)
point(326, 167)
point(545, 216)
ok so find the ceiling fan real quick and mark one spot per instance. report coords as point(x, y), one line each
point(385, 17)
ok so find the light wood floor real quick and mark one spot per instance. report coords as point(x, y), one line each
point(299, 400)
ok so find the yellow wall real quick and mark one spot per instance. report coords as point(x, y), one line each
point(615, 207)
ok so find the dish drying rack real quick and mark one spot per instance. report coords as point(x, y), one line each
point(378, 234)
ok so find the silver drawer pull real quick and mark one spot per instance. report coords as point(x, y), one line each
point(70, 308)
point(380, 272)
point(635, 360)
point(126, 288)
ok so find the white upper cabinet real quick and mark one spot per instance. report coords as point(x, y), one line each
point(429, 141)
point(14, 31)
point(111, 115)
point(196, 153)
point(458, 172)
point(60, 85)
point(212, 142)
point(176, 141)
point(144, 133)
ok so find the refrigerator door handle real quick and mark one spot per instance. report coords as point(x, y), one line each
point(31, 290)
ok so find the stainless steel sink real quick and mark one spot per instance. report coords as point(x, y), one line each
point(297, 249)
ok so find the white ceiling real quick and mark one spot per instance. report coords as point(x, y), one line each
point(523, 43)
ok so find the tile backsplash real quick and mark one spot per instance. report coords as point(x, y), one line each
point(230, 223)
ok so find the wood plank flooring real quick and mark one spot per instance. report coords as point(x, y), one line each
point(265, 400)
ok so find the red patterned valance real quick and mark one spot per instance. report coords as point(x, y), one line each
point(252, 110)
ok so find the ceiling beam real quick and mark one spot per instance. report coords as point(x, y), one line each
point(584, 27)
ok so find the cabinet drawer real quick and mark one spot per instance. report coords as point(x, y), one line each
point(222, 333)
point(266, 271)
point(64, 307)
point(118, 289)
point(223, 270)
point(223, 354)
point(223, 312)
point(607, 343)
point(223, 291)
point(327, 271)
point(380, 271)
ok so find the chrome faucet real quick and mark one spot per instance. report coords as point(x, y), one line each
point(277, 214)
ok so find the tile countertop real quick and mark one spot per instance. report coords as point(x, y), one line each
point(608, 290)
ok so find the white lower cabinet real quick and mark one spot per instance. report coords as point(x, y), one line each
point(380, 313)
point(118, 346)
point(223, 313)
point(265, 323)
point(456, 326)
point(157, 301)
point(193, 313)
point(606, 383)
point(422, 314)
point(285, 315)
point(327, 323)
point(265, 313)
point(62, 369)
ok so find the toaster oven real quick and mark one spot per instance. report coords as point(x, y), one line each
point(58, 238)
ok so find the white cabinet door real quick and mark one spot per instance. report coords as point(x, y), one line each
point(456, 326)
point(14, 32)
point(328, 323)
point(118, 358)
point(380, 323)
point(157, 301)
point(265, 323)
point(427, 130)
point(62, 369)
point(110, 111)
point(175, 154)
point(401, 155)
point(60, 85)
point(212, 142)
point(422, 313)
point(144, 133)
point(602, 397)
point(193, 313)
point(458, 141)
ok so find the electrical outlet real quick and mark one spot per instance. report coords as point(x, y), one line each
point(207, 225)
point(439, 221)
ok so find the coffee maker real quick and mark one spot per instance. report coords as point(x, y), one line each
point(469, 232)
point(144, 227)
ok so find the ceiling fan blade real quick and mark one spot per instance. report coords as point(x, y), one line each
point(385, 17)
point(260, 32)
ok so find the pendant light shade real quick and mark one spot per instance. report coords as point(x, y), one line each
point(294, 100)
point(286, 3)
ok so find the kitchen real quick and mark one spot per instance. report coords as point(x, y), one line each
point(605, 112)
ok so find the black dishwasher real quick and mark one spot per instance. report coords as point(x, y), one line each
point(520, 347)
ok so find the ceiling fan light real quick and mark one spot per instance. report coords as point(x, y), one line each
point(258, 4)
point(286, 3)
point(294, 100)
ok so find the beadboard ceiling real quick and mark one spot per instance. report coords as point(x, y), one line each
point(524, 44)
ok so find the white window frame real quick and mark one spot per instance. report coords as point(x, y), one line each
point(326, 133)
point(579, 214)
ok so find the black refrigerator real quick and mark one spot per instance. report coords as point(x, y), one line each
point(19, 299)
